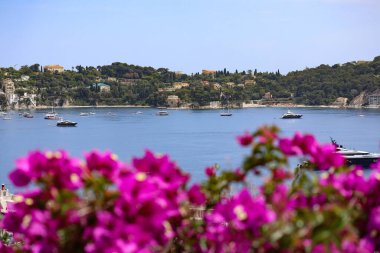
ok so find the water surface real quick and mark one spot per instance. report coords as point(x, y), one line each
point(193, 138)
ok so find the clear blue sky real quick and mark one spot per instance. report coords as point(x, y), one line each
point(189, 35)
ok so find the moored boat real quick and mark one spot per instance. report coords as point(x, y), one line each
point(66, 123)
point(225, 113)
point(291, 115)
point(84, 114)
point(356, 157)
point(162, 113)
point(27, 115)
point(52, 115)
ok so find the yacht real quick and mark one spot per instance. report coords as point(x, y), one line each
point(162, 113)
point(66, 123)
point(356, 157)
point(291, 115)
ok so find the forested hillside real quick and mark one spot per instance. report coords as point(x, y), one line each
point(136, 85)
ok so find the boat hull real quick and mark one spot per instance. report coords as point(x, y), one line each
point(66, 124)
point(365, 162)
point(291, 117)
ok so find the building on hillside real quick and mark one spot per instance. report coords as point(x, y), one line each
point(128, 82)
point(102, 87)
point(267, 95)
point(180, 85)
point(249, 82)
point(29, 97)
point(373, 100)
point(179, 73)
point(208, 72)
point(166, 89)
point(173, 101)
point(112, 79)
point(217, 86)
point(23, 78)
point(8, 86)
point(362, 62)
point(98, 79)
point(54, 68)
point(215, 104)
point(12, 98)
point(230, 84)
point(205, 83)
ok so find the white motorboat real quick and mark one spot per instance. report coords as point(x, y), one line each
point(52, 115)
point(162, 113)
point(291, 115)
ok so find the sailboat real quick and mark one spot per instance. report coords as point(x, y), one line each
point(51, 115)
point(226, 111)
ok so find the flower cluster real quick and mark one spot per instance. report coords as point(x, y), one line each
point(103, 205)
point(235, 223)
point(146, 211)
point(323, 156)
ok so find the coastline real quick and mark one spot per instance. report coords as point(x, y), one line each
point(41, 107)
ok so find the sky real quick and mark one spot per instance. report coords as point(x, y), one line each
point(189, 35)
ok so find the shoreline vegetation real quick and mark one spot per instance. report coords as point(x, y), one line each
point(41, 107)
point(353, 84)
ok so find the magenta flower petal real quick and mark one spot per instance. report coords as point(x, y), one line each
point(19, 177)
point(245, 139)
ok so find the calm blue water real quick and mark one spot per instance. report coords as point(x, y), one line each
point(195, 139)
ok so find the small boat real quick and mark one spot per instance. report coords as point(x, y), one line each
point(162, 113)
point(84, 114)
point(291, 115)
point(52, 115)
point(139, 112)
point(66, 123)
point(92, 113)
point(27, 115)
point(356, 157)
point(7, 118)
point(225, 114)
point(2, 113)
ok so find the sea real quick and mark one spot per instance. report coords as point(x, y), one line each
point(194, 139)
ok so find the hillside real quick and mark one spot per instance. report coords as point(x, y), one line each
point(136, 85)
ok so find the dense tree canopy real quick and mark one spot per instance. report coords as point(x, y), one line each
point(136, 85)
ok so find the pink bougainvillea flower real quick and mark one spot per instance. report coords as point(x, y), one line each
point(196, 196)
point(20, 177)
point(210, 171)
point(245, 139)
point(106, 164)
